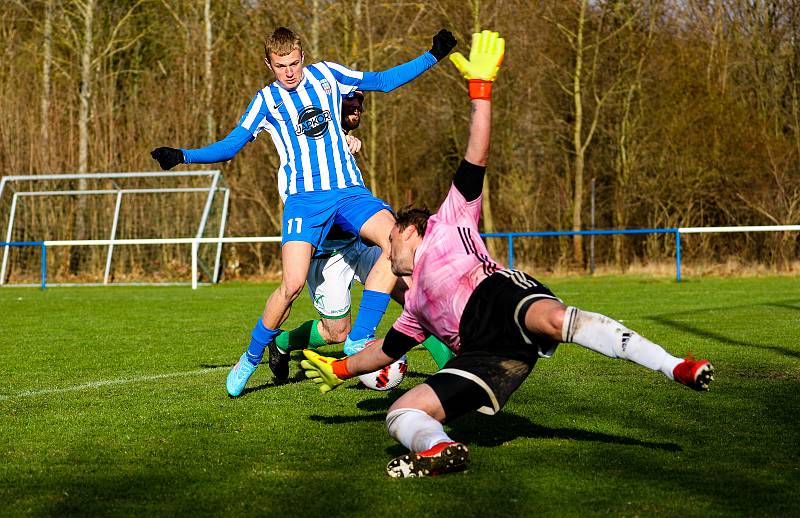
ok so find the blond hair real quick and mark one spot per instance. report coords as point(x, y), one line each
point(282, 42)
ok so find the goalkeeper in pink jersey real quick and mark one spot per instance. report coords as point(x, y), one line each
point(497, 321)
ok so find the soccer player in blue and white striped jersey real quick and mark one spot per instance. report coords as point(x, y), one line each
point(301, 112)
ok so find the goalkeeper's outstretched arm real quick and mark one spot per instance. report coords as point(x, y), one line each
point(480, 125)
point(329, 373)
point(485, 57)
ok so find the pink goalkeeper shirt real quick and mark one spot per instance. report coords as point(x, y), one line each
point(451, 261)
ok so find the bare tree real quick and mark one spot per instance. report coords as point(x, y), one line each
point(82, 31)
point(47, 64)
point(314, 40)
point(586, 34)
point(487, 213)
point(382, 45)
point(687, 113)
point(631, 55)
point(86, 9)
point(209, 72)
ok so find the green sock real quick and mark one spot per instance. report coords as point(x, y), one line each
point(316, 340)
point(440, 352)
point(303, 336)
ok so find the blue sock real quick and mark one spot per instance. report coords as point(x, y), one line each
point(259, 340)
point(373, 306)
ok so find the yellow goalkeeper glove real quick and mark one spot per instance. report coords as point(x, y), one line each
point(329, 373)
point(485, 57)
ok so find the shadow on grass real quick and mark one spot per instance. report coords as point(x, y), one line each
point(346, 419)
point(786, 304)
point(379, 404)
point(495, 430)
point(490, 431)
point(299, 378)
point(697, 331)
point(670, 321)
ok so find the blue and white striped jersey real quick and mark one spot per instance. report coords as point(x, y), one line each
point(304, 124)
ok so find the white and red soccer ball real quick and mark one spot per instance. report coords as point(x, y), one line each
point(388, 377)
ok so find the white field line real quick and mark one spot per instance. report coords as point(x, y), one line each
point(106, 383)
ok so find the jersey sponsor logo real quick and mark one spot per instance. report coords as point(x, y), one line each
point(312, 122)
point(326, 86)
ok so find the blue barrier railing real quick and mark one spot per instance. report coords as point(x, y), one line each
point(509, 236)
point(32, 243)
point(549, 233)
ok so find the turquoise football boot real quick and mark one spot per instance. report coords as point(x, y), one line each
point(353, 346)
point(238, 376)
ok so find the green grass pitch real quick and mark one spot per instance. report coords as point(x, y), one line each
point(113, 403)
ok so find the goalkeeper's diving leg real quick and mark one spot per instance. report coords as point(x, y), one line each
point(608, 337)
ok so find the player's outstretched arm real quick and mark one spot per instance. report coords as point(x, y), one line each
point(329, 373)
point(480, 70)
point(485, 57)
point(220, 151)
point(395, 77)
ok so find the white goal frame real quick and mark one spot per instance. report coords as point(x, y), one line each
point(214, 178)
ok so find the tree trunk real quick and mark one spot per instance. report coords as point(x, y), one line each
point(488, 215)
point(47, 62)
point(87, 9)
point(209, 77)
point(87, 51)
point(577, 139)
point(622, 175)
point(372, 139)
point(314, 43)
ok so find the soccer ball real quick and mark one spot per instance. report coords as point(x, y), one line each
point(388, 377)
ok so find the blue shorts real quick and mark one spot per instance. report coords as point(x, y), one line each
point(308, 216)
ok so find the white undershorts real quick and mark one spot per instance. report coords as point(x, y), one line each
point(330, 278)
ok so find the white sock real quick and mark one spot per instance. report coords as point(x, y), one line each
point(415, 429)
point(609, 337)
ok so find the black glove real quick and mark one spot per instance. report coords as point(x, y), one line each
point(167, 157)
point(443, 43)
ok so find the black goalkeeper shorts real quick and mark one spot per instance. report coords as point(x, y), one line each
point(497, 353)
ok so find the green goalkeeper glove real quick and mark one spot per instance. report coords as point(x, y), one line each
point(485, 57)
point(323, 370)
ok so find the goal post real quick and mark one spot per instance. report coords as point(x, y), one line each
point(114, 186)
